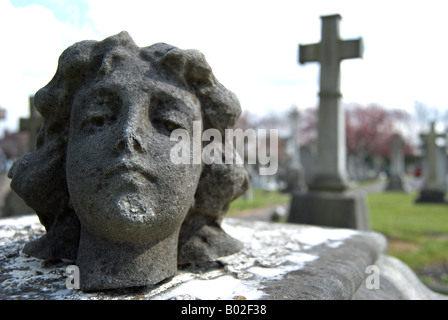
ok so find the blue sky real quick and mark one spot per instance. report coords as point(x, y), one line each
point(251, 46)
point(61, 9)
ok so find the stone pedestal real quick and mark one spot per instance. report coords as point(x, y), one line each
point(278, 262)
point(396, 183)
point(431, 196)
point(331, 209)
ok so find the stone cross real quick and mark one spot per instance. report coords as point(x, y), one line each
point(397, 164)
point(331, 150)
point(32, 124)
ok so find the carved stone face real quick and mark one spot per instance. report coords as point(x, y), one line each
point(122, 184)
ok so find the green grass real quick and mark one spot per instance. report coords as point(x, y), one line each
point(260, 199)
point(417, 233)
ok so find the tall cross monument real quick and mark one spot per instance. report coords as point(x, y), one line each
point(331, 169)
point(328, 202)
point(32, 124)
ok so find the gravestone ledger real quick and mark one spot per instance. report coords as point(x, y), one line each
point(278, 261)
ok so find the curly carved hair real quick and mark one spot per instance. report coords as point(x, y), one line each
point(39, 176)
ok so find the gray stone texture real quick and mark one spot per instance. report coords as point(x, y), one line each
point(101, 178)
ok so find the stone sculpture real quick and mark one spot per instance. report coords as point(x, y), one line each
point(101, 180)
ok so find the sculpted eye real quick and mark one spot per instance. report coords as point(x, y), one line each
point(96, 121)
point(101, 109)
point(168, 113)
point(165, 126)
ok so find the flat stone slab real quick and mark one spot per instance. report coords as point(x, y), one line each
point(279, 262)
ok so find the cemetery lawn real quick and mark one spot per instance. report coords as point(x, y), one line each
point(260, 199)
point(417, 233)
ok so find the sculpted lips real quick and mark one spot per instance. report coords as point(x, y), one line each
point(124, 167)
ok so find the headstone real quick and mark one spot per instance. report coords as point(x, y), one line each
point(329, 202)
point(442, 166)
point(357, 168)
point(296, 174)
point(102, 180)
point(396, 178)
point(31, 124)
point(432, 189)
point(308, 160)
point(249, 193)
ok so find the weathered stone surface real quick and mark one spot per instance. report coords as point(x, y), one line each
point(278, 261)
point(101, 178)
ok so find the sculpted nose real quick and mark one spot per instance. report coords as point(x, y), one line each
point(132, 133)
point(129, 142)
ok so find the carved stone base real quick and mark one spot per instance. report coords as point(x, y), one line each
point(396, 183)
point(330, 209)
point(431, 196)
